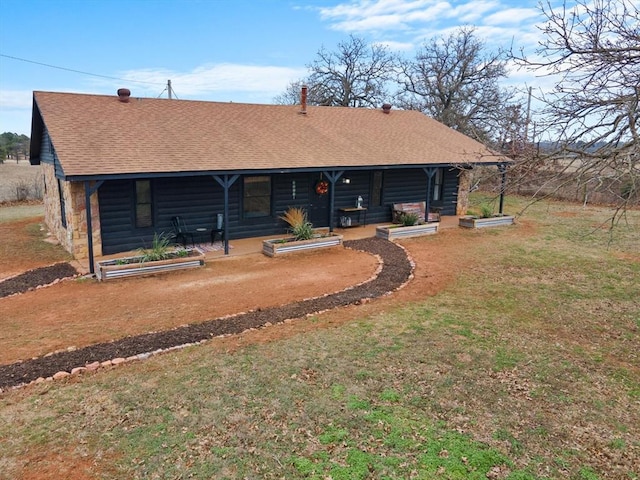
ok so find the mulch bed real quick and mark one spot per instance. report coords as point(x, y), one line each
point(396, 270)
point(34, 278)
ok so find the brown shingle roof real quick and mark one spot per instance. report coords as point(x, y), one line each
point(100, 135)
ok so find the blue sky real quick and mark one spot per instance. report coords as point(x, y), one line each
point(219, 50)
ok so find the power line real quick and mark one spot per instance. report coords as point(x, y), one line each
point(77, 71)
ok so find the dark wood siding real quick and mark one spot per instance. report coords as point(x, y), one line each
point(47, 154)
point(449, 192)
point(199, 199)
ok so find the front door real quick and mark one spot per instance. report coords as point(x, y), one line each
point(319, 202)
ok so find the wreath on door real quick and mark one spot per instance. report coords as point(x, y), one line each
point(322, 187)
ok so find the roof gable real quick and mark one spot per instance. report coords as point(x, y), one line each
point(100, 135)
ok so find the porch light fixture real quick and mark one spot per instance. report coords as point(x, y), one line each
point(346, 181)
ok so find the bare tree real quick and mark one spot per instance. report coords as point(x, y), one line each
point(291, 96)
point(454, 81)
point(592, 116)
point(355, 75)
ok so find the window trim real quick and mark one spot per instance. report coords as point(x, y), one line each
point(268, 211)
point(137, 204)
point(380, 194)
point(438, 182)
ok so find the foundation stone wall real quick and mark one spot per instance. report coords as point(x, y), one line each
point(73, 237)
point(464, 186)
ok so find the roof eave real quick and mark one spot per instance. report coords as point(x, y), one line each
point(37, 128)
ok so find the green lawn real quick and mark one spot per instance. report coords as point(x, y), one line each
point(527, 367)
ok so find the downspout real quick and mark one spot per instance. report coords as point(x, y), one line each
point(88, 191)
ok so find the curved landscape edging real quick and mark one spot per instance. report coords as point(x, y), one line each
point(395, 271)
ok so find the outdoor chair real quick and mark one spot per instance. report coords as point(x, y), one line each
point(181, 232)
point(218, 229)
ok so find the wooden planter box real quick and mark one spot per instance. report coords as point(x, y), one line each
point(473, 222)
point(395, 232)
point(108, 269)
point(281, 246)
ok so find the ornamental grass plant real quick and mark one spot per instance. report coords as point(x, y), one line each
point(299, 225)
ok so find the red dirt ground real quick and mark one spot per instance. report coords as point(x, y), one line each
point(82, 312)
point(76, 313)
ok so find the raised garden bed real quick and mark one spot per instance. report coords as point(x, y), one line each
point(395, 232)
point(477, 222)
point(135, 266)
point(282, 246)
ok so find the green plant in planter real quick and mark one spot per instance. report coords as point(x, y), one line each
point(299, 225)
point(409, 219)
point(159, 248)
point(486, 210)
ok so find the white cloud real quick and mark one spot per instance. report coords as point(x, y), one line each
point(230, 82)
point(368, 8)
point(209, 79)
point(379, 15)
point(10, 99)
point(472, 12)
point(396, 46)
point(412, 21)
point(376, 15)
point(511, 16)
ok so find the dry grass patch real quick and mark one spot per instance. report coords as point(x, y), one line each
point(526, 367)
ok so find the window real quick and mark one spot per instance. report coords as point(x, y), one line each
point(376, 189)
point(63, 210)
point(437, 187)
point(144, 217)
point(257, 197)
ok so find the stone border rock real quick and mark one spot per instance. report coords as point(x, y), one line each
point(395, 270)
point(45, 276)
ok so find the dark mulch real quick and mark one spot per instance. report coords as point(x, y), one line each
point(36, 277)
point(395, 271)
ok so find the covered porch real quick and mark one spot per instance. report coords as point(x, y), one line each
point(250, 246)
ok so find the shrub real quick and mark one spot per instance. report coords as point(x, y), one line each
point(299, 226)
point(628, 190)
point(22, 190)
point(409, 219)
point(159, 248)
point(486, 210)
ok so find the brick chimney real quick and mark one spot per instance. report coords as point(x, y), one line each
point(303, 99)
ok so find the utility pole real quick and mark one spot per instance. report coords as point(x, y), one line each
point(169, 89)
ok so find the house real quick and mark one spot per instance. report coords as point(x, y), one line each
point(118, 168)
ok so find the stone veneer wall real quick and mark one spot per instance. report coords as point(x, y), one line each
point(74, 237)
point(464, 185)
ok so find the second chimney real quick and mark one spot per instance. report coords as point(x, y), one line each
point(124, 94)
point(303, 99)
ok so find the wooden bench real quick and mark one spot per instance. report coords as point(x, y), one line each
point(416, 208)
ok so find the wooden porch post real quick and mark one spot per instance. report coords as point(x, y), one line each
point(503, 171)
point(225, 182)
point(333, 178)
point(430, 171)
point(88, 191)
